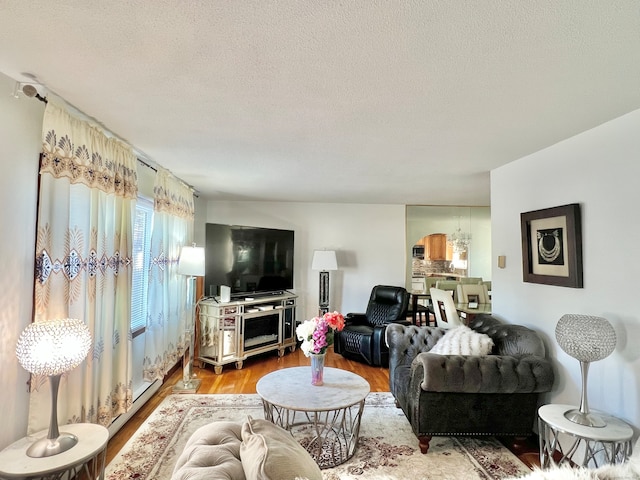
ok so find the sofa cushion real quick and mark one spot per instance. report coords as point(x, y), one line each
point(268, 452)
point(463, 341)
point(212, 451)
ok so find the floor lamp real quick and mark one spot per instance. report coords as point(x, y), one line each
point(191, 264)
point(325, 261)
point(51, 348)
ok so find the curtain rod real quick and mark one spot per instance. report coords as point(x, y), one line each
point(146, 164)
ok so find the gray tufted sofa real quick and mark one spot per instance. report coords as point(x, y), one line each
point(453, 395)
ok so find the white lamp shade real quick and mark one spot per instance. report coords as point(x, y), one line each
point(191, 261)
point(53, 347)
point(324, 260)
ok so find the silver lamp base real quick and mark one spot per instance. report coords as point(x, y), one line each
point(47, 447)
point(587, 419)
point(187, 387)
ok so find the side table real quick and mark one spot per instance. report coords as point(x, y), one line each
point(87, 456)
point(596, 445)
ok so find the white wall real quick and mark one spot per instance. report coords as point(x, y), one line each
point(600, 170)
point(369, 241)
point(20, 137)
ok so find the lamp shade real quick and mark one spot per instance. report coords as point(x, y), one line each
point(324, 260)
point(53, 347)
point(585, 337)
point(191, 261)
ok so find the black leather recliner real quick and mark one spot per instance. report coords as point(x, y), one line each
point(363, 336)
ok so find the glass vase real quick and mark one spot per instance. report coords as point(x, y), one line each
point(317, 368)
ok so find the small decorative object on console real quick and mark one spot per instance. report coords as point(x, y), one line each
point(316, 335)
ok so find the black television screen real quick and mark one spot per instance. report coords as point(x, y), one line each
point(248, 259)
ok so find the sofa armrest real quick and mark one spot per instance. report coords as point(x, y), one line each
point(405, 342)
point(409, 340)
point(483, 374)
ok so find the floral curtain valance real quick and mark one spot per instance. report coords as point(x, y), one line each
point(172, 197)
point(80, 152)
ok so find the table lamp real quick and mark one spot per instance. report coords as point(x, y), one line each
point(191, 264)
point(52, 348)
point(587, 339)
point(324, 260)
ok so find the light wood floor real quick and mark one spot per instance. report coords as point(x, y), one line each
point(245, 379)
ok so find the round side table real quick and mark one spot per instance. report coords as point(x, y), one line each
point(87, 456)
point(587, 446)
point(324, 419)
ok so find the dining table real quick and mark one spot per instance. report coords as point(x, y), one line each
point(469, 310)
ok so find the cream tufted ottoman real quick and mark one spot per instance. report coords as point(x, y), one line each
point(253, 450)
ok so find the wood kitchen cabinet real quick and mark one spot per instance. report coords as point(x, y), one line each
point(436, 247)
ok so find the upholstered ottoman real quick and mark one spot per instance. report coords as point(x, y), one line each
point(256, 449)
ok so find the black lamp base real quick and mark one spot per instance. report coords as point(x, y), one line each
point(324, 293)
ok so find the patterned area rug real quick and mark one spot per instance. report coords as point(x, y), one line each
point(387, 449)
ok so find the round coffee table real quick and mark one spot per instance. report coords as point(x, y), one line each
point(324, 419)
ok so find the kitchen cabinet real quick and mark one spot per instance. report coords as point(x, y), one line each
point(436, 247)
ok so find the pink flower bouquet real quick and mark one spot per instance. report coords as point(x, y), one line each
point(316, 334)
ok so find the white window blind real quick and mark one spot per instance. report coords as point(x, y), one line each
point(142, 228)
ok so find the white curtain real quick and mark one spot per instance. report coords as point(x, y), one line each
point(88, 187)
point(167, 308)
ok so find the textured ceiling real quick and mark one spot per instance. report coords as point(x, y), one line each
point(404, 102)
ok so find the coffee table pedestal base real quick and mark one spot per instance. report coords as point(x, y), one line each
point(330, 437)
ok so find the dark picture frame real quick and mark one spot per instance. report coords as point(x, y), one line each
point(552, 246)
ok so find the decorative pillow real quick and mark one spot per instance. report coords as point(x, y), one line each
point(269, 452)
point(463, 341)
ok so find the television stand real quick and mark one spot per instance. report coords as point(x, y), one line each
point(233, 331)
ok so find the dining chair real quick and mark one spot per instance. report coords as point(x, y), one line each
point(444, 309)
point(472, 293)
point(471, 280)
point(450, 286)
point(420, 316)
point(430, 282)
point(487, 283)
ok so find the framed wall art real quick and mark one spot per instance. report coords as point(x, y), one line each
point(552, 246)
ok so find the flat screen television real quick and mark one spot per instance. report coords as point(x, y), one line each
point(249, 260)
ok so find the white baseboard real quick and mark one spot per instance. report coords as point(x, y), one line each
point(141, 396)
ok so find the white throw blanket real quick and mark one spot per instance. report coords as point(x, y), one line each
point(630, 470)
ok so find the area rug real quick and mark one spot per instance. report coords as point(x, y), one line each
point(387, 448)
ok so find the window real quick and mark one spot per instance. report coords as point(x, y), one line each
point(143, 225)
